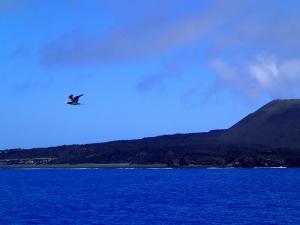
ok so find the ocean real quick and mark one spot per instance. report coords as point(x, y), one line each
point(150, 196)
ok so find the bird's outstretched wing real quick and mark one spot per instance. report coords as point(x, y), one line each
point(71, 98)
point(77, 98)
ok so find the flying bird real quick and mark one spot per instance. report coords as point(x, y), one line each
point(73, 100)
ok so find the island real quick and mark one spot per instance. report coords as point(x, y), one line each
point(269, 137)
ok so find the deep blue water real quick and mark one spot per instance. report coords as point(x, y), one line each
point(144, 196)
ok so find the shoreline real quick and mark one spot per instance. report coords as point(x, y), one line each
point(84, 165)
point(123, 166)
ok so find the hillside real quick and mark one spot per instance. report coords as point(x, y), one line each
point(276, 124)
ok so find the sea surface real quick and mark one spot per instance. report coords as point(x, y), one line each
point(150, 196)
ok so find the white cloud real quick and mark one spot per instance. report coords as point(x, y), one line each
point(262, 75)
point(264, 70)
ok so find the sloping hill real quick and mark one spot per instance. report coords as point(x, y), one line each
point(276, 124)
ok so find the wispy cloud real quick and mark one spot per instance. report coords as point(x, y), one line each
point(148, 37)
point(150, 81)
point(252, 46)
point(158, 79)
point(13, 5)
point(260, 76)
point(259, 55)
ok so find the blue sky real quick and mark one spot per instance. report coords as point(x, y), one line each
point(145, 67)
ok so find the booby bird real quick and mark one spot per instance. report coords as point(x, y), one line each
point(73, 100)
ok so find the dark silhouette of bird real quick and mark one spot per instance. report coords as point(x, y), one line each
point(73, 100)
